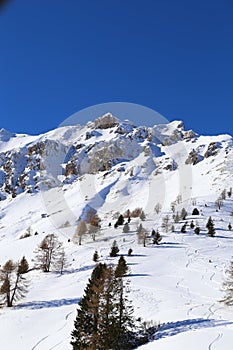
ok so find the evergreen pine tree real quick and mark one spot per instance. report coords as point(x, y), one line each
point(23, 265)
point(183, 228)
point(210, 227)
point(153, 233)
point(157, 238)
point(192, 225)
point(86, 332)
point(130, 251)
point(197, 230)
point(96, 256)
point(124, 323)
point(195, 211)
point(114, 249)
point(120, 220)
point(121, 268)
point(104, 319)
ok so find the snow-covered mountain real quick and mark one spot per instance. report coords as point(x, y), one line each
point(104, 148)
point(48, 182)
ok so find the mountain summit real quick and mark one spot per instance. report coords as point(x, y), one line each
point(105, 147)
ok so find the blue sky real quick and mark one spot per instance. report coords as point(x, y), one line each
point(58, 57)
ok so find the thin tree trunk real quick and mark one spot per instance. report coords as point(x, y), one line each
point(14, 289)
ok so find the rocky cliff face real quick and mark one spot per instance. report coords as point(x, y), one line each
point(103, 146)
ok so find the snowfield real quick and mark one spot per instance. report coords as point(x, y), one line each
point(177, 283)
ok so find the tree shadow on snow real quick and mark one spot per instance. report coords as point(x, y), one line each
point(173, 328)
point(138, 255)
point(225, 237)
point(46, 304)
point(168, 245)
point(80, 269)
point(132, 264)
point(139, 275)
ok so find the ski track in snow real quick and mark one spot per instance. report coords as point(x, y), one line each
point(210, 347)
point(56, 345)
point(54, 334)
point(39, 342)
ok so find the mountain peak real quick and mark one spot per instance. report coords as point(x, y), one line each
point(5, 135)
point(106, 121)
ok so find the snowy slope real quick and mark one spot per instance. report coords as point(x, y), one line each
point(71, 169)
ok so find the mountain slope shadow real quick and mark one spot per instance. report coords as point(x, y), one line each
point(44, 304)
point(98, 200)
point(173, 328)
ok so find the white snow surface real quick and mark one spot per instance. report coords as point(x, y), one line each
point(177, 283)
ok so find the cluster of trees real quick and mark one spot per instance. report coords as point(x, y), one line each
point(114, 249)
point(91, 225)
point(176, 202)
point(104, 317)
point(180, 216)
point(113, 252)
point(144, 236)
point(14, 284)
point(105, 314)
point(135, 213)
point(209, 225)
point(49, 255)
point(138, 212)
point(157, 238)
point(177, 217)
point(168, 226)
point(222, 198)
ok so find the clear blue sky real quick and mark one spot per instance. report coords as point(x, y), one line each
point(57, 57)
